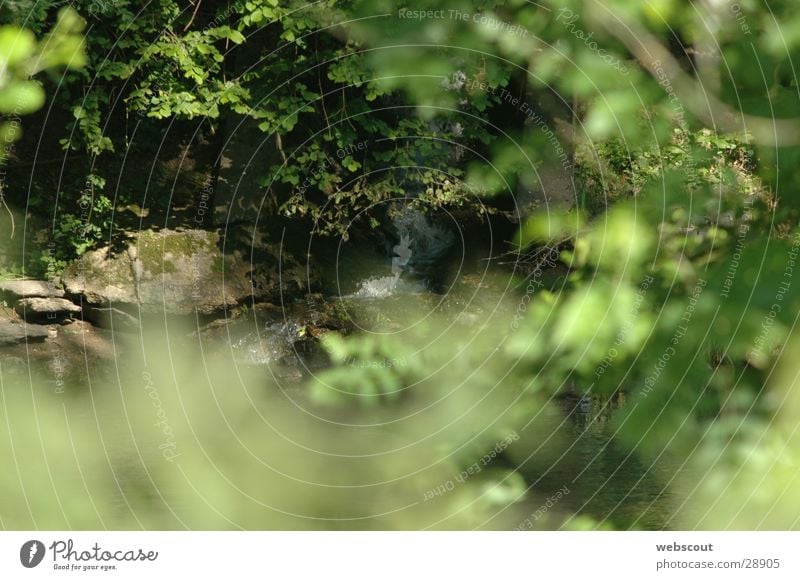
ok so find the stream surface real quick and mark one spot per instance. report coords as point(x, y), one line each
point(379, 290)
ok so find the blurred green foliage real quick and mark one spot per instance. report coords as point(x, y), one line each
point(22, 57)
point(168, 443)
point(682, 249)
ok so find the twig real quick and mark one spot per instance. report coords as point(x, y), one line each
point(279, 146)
point(706, 106)
point(10, 213)
point(345, 115)
point(196, 8)
point(321, 90)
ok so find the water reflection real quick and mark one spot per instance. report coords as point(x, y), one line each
point(605, 479)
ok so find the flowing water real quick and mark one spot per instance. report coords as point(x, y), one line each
point(604, 479)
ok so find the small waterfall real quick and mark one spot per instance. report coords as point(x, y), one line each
point(429, 240)
point(423, 243)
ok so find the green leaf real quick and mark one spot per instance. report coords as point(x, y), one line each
point(21, 98)
point(351, 164)
point(16, 44)
point(554, 225)
point(9, 133)
point(236, 36)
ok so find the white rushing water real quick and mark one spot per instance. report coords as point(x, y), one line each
point(385, 286)
point(423, 243)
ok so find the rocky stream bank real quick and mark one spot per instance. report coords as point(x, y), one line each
point(260, 303)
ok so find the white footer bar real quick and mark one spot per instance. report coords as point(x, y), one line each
point(400, 555)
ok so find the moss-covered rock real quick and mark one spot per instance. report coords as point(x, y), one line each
point(101, 277)
point(177, 272)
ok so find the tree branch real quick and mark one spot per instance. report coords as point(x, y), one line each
point(705, 105)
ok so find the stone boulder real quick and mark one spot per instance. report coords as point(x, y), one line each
point(48, 310)
point(16, 289)
point(11, 333)
point(169, 271)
